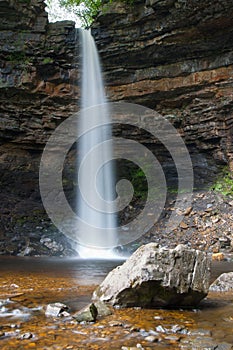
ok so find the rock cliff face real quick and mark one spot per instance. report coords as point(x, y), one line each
point(37, 73)
point(38, 89)
point(175, 56)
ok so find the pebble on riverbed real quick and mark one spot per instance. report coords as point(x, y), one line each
point(57, 310)
point(27, 335)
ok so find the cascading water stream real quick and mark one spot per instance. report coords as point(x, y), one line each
point(97, 232)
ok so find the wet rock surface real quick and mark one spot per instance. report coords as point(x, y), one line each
point(224, 283)
point(158, 277)
point(56, 309)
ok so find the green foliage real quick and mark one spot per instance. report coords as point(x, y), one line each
point(139, 183)
point(47, 60)
point(86, 10)
point(16, 57)
point(224, 183)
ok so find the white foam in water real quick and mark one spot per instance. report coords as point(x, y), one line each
point(98, 254)
point(4, 312)
point(97, 232)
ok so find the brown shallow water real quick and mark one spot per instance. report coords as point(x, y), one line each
point(27, 285)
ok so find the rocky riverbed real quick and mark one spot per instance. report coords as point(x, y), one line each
point(28, 285)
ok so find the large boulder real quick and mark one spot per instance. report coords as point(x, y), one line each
point(158, 277)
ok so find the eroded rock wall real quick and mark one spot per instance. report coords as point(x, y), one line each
point(175, 56)
point(38, 89)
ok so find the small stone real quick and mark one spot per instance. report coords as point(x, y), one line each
point(218, 257)
point(28, 251)
point(215, 250)
point(188, 211)
point(158, 317)
point(176, 328)
point(151, 338)
point(134, 329)
point(152, 332)
point(231, 203)
point(55, 309)
point(127, 325)
point(183, 225)
point(87, 314)
point(115, 324)
point(215, 220)
point(143, 333)
point(225, 242)
point(173, 338)
point(25, 336)
point(161, 329)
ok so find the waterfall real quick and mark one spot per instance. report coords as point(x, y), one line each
point(97, 232)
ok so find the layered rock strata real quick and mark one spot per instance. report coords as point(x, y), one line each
point(174, 56)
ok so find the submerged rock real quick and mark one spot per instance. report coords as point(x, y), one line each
point(158, 277)
point(224, 283)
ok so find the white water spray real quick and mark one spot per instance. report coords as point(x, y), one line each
point(97, 233)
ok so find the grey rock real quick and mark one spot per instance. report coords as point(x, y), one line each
point(102, 308)
point(115, 324)
point(224, 283)
point(172, 337)
point(158, 277)
point(27, 335)
point(203, 343)
point(224, 346)
point(161, 329)
point(87, 314)
point(151, 338)
point(201, 332)
point(56, 309)
point(176, 328)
